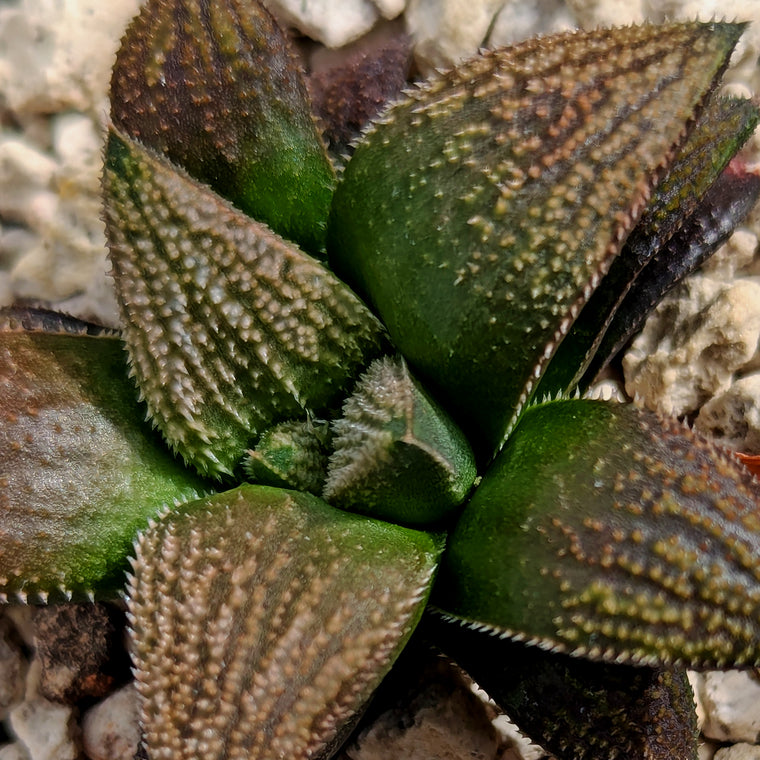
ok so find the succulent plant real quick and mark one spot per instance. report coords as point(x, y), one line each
point(348, 406)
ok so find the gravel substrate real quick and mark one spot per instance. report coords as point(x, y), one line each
point(65, 687)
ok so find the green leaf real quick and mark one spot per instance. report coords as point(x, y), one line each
point(603, 531)
point(263, 620)
point(398, 456)
point(230, 328)
point(724, 207)
point(292, 454)
point(480, 212)
point(216, 89)
point(573, 708)
point(677, 205)
point(80, 472)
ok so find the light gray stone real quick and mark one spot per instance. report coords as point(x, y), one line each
point(447, 32)
point(57, 56)
point(110, 729)
point(518, 20)
point(29, 172)
point(45, 730)
point(13, 752)
point(739, 752)
point(694, 343)
point(732, 705)
point(332, 22)
point(591, 13)
point(390, 9)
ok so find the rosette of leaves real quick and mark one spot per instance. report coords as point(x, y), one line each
point(390, 352)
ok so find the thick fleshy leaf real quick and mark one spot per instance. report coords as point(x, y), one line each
point(215, 87)
point(478, 215)
point(263, 619)
point(353, 92)
point(292, 454)
point(686, 200)
point(604, 531)
point(398, 456)
point(722, 210)
point(230, 328)
point(80, 470)
point(576, 709)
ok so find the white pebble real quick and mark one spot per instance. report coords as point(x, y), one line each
point(44, 729)
point(110, 730)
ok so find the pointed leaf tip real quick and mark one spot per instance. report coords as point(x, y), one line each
point(398, 456)
point(505, 187)
point(263, 620)
point(230, 328)
point(215, 87)
point(601, 530)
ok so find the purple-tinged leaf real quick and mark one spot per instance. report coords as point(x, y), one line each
point(80, 470)
point(215, 87)
point(576, 709)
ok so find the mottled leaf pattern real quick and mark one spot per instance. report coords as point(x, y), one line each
point(576, 709)
point(230, 328)
point(263, 620)
point(215, 88)
point(480, 213)
point(720, 131)
point(80, 473)
point(605, 531)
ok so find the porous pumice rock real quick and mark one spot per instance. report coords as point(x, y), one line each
point(738, 752)
point(732, 705)
point(734, 415)
point(111, 729)
point(690, 349)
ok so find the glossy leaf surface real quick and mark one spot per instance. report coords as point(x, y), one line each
point(604, 531)
point(480, 213)
point(398, 456)
point(230, 328)
point(669, 227)
point(215, 87)
point(263, 619)
point(80, 471)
